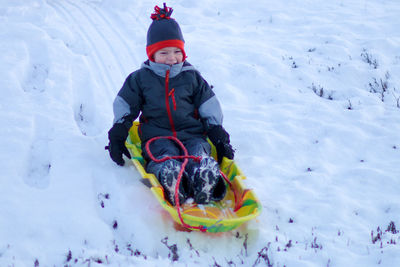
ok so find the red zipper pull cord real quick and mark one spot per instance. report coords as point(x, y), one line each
point(171, 121)
point(172, 95)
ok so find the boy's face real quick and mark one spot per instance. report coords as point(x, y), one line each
point(168, 55)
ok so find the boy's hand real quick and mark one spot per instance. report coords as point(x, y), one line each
point(117, 136)
point(220, 138)
point(224, 150)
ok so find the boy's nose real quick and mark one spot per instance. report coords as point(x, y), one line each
point(171, 58)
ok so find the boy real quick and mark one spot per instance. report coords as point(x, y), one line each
point(174, 100)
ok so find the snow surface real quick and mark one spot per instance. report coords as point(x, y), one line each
point(310, 92)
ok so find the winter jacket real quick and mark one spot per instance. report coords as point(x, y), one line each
point(173, 101)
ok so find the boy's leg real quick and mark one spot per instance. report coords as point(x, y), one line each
point(166, 172)
point(196, 147)
point(207, 182)
point(159, 149)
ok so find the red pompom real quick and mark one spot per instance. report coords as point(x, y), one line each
point(164, 13)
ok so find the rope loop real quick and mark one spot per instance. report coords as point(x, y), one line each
point(185, 158)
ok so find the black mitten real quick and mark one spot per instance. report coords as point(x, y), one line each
point(220, 138)
point(116, 146)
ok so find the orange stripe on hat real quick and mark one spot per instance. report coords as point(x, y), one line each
point(151, 49)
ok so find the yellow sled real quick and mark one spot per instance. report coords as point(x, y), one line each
point(238, 206)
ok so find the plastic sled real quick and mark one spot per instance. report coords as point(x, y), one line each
point(239, 205)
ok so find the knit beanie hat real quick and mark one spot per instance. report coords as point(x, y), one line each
point(164, 31)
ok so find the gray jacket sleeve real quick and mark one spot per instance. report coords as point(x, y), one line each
point(128, 102)
point(209, 108)
point(121, 109)
point(210, 111)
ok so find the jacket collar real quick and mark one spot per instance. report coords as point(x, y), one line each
point(161, 69)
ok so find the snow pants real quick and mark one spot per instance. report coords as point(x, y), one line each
point(164, 147)
point(202, 181)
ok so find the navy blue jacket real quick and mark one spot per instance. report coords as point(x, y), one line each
point(171, 101)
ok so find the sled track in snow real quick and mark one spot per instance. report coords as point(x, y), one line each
point(113, 29)
point(106, 53)
point(96, 61)
point(112, 52)
point(95, 24)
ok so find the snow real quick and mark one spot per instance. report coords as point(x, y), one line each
point(301, 85)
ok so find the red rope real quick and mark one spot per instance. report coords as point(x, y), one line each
point(238, 201)
point(185, 158)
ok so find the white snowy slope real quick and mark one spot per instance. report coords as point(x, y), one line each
point(311, 97)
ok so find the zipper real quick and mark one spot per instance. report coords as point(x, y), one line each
point(167, 95)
